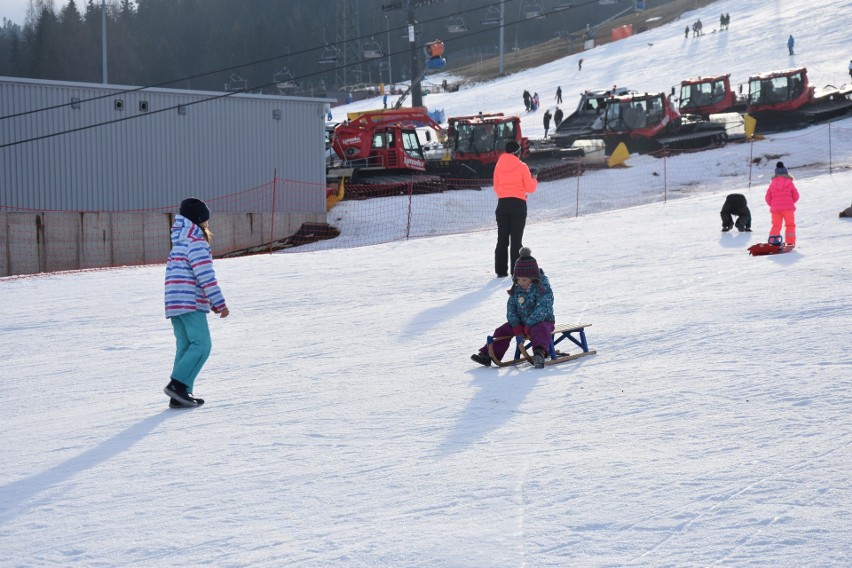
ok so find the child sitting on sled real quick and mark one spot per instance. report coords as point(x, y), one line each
point(529, 312)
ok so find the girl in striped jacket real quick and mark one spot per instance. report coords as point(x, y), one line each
point(191, 292)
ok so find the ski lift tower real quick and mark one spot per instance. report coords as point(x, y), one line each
point(348, 30)
point(410, 6)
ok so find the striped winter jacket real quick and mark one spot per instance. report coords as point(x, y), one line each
point(530, 307)
point(190, 280)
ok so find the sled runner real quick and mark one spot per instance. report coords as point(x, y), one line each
point(761, 249)
point(523, 348)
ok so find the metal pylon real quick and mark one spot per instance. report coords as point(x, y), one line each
point(348, 29)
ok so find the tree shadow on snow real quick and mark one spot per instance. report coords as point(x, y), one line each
point(19, 496)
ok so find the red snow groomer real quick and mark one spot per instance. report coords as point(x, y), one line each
point(383, 140)
point(477, 141)
point(785, 100)
point(710, 95)
point(649, 122)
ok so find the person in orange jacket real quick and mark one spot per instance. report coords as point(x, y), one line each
point(512, 182)
point(781, 196)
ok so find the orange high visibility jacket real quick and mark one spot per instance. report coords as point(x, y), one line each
point(512, 178)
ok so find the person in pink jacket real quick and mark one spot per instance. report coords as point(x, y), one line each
point(781, 197)
point(512, 182)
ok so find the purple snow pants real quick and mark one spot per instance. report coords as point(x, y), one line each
point(539, 335)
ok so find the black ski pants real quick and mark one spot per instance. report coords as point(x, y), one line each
point(511, 219)
point(736, 204)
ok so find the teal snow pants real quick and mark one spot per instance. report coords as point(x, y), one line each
point(193, 346)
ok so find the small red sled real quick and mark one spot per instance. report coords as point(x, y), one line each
point(762, 249)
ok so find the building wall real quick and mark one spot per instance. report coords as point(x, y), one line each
point(89, 147)
point(32, 242)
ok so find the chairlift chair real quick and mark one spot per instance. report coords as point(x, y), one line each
point(533, 10)
point(435, 51)
point(284, 80)
point(563, 5)
point(372, 49)
point(236, 83)
point(606, 2)
point(491, 17)
point(456, 25)
point(329, 55)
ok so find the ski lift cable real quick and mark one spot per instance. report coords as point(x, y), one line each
point(264, 60)
point(506, 23)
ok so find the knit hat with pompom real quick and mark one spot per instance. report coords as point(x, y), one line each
point(526, 266)
point(780, 170)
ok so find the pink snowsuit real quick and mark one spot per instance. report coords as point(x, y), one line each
point(781, 197)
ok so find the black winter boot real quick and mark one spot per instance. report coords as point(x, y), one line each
point(539, 356)
point(481, 358)
point(176, 390)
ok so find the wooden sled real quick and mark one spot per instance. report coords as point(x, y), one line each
point(524, 346)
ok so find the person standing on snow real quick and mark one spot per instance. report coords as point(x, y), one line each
point(559, 89)
point(527, 100)
point(512, 183)
point(781, 196)
point(191, 291)
point(850, 69)
point(547, 117)
point(790, 43)
point(557, 118)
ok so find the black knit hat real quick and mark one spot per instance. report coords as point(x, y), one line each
point(513, 147)
point(195, 210)
point(780, 170)
point(526, 266)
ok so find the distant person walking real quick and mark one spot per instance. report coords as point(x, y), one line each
point(547, 117)
point(527, 100)
point(557, 118)
point(559, 89)
point(512, 183)
point(535, 102)
point(686, 32)
point(790, 43)
point(580, 65)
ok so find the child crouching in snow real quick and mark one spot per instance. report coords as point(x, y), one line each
point(191, 292)
point(529, 312)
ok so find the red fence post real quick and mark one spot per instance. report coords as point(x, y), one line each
point(750, 161)
point(577, 204)
point(410, 198)
point(274, 190)
point(829, 148)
